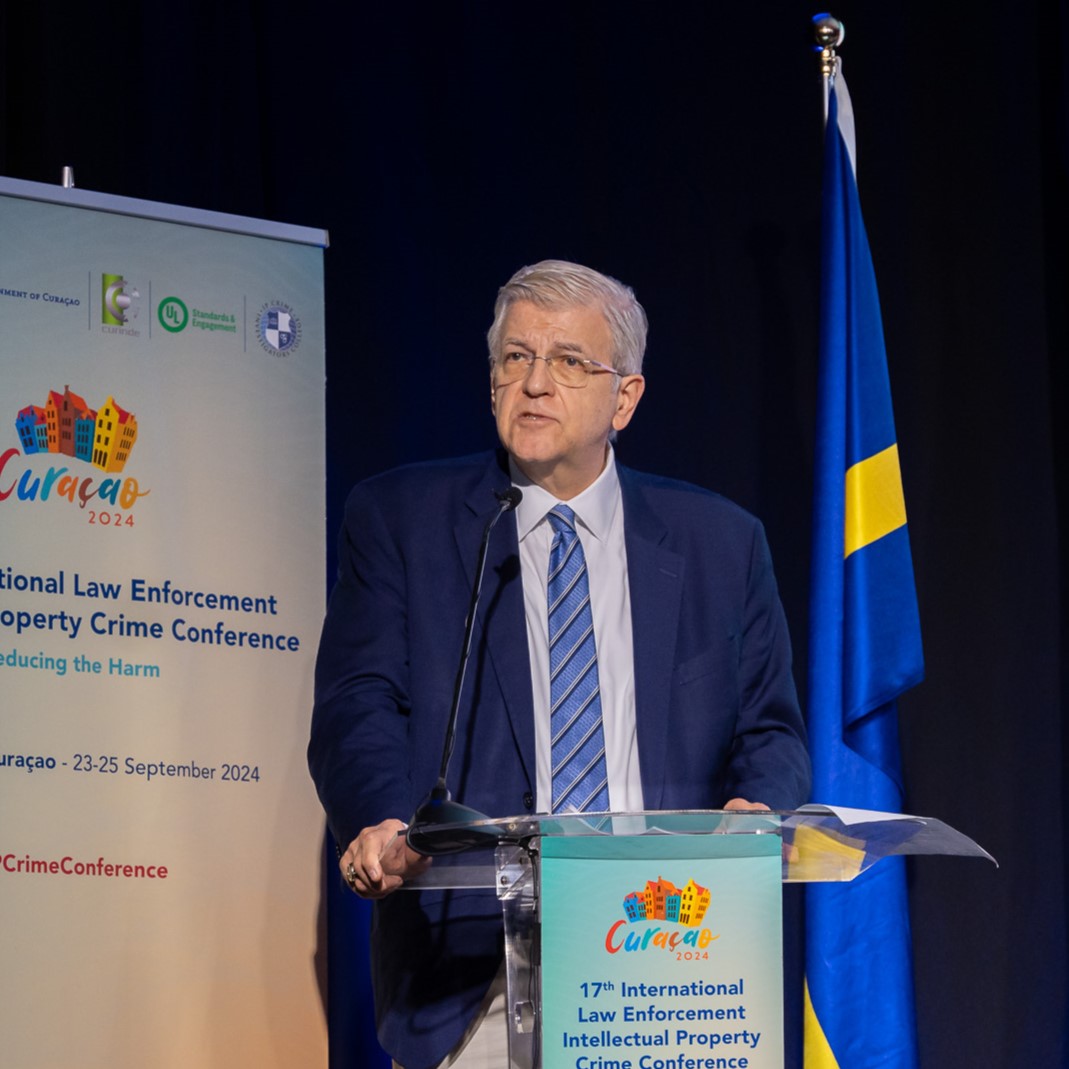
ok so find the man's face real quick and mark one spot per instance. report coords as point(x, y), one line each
point(557, 434)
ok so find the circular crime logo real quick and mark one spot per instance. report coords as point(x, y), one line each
point(278, 329)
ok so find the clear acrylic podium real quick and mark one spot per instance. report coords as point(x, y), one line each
point(654, 984)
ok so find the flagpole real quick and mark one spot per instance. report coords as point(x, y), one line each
point(830, 34)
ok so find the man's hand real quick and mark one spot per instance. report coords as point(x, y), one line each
point(790, 852)
point(742, 803)
point(378, 860)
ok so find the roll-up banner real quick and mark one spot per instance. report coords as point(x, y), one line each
point(161, 593)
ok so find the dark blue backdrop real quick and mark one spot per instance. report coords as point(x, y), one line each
point(677, 146)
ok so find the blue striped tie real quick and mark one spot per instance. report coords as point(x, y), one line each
point(580, 780)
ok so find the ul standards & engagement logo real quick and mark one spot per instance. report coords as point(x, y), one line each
point(173, 314)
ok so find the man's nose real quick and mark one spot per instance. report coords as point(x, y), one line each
point(538, 379)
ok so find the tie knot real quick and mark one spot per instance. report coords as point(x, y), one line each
point(562, 519)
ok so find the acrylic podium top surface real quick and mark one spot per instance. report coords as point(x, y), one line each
point(819, 843)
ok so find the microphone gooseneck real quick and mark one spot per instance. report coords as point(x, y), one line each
point(439, 807)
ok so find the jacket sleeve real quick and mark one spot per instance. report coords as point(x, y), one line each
point(769, 761)
point(359, 738)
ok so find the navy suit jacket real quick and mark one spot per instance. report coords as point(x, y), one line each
point(716, 710)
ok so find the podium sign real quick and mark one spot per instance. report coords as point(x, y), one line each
point(662, 952)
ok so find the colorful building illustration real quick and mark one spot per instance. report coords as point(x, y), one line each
point(671, 906)
point(635, 907)
point(32, 429)
point(116, 432)
point(71, 407)
point(694, 901)
point(662, 900)
point(84, 432)
point(657, 891)
point(52, 407)
point(65, 424)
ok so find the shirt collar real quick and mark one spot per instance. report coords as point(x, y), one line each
point(594, 507)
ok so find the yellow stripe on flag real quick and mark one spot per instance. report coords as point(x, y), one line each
point(875, 504)
point(818, 1053)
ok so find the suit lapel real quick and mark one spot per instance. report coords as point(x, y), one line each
point(501, 627)
point(655, 577)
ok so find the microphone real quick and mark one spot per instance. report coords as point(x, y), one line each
point(439, 807)
point(507, 500)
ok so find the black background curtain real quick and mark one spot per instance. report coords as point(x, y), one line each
point(677, 146)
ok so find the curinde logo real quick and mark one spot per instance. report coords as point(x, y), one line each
point(117, 304)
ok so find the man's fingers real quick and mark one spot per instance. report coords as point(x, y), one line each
point(737, 804)
point(370, 865)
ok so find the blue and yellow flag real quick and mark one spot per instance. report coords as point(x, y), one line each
point(864, 645)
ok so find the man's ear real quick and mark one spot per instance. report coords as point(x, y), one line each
point(630, 392)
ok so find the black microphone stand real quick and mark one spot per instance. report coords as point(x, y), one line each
point(439, 808)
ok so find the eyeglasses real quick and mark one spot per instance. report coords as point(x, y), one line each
point(565, 369)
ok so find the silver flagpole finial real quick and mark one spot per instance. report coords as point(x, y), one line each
point(830, 34)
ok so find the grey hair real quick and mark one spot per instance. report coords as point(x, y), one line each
point(559, 284)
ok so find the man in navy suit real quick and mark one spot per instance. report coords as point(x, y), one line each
point(698, 706)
